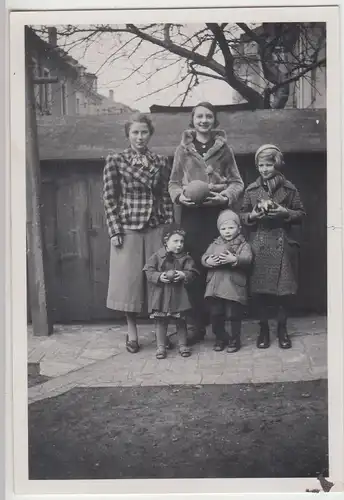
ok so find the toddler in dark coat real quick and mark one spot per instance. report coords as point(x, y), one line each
point(168, 272)
point(228, 260)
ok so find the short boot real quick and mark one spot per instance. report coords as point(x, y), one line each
point(263, 340)
point(283, 338)
point(234, 341)
point(218, 327)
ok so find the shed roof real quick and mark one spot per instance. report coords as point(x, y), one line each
point(93, 137)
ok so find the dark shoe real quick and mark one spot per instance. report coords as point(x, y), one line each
point(132, 346)
point(234, 345)
point(263, 340)
point(196, 336)
point(283, 338)
point(219, 345)
point(184, 351)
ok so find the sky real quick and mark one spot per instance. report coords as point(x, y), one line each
point(132, 90)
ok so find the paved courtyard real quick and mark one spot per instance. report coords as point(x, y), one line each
point(95, 356)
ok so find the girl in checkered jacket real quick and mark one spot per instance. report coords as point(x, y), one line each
point(137, 206)
point(169, 271)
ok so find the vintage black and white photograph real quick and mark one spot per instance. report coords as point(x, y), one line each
point(176, 195)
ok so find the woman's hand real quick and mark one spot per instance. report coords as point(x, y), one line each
point(179, 276)
point(227, 258)
point(215, 199)
point(163, 278)
point(278, 211)
point(213, 261)
point(186, 201)
point(117, 241)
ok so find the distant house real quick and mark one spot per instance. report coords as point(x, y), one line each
point(308, 92)
point(76, 91)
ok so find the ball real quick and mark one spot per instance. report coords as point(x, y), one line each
point(170, 274)
point(197, 191)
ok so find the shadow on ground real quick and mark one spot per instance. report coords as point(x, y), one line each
point(212, 431)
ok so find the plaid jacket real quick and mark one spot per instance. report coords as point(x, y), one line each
point(135, 191)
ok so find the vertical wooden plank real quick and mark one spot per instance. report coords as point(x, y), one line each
point(99, 247)
point(73, 245)
point(36, 274)
point(49, 231)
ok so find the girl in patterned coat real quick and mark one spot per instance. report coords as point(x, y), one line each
point(271, 210)
point(169, 271)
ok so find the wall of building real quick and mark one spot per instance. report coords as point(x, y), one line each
point(77, 243)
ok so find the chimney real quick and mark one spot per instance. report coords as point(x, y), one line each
point(111, 94)
point(52, 35)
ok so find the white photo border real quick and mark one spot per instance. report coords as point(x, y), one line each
point(16, 264)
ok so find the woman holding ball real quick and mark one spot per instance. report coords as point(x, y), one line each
point(203, 156)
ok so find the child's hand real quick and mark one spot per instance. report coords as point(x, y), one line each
point(227, 258)
point(257, 214)
point(179, 276)
point(213, 261)
point(163, 278)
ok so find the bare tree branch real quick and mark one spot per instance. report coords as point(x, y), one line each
point(281, 54)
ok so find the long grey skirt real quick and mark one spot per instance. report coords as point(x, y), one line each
point(127, 289)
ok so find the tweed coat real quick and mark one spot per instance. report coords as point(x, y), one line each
point(274, 242)
point(135, 191)
point(227, 281)
point(189, 165)
point(169, 297)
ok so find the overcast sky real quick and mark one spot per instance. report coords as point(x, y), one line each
point(132, 90)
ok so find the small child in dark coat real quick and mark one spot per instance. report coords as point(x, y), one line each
point(168, 272)
point(228, 259)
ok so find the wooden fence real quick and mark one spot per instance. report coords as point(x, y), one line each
point(77, 243)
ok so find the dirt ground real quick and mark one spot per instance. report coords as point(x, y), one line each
point(212, 431)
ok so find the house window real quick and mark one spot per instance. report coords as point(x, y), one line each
point(279, 55)
point(36, 73)
point(45, 94)
point(64, 98)
point(77, 106)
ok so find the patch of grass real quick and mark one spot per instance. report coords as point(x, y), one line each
point(266, 430)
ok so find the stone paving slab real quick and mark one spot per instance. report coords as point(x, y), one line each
point(98, 358)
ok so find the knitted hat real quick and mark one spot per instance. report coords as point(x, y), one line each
point(227, 215)
point(265, 147)
point(171, 229)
